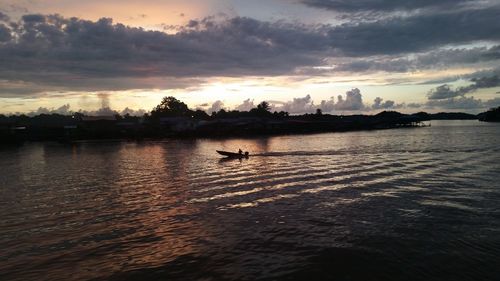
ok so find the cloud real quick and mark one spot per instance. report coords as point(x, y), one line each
point(414, 105)
point(456, 103)
point(494, 53)
point(492, 103)
point(379, 5)
point(70, 53)
point(327, 105)
point(63, 110)
point(4, 33)
point(352, 102)
point(246, 105)
point(445, 92)
point(34, 18)
point(51, 53)
point(106, 111)
point(4, 17)
point(486, 82)
point(133, 112)
point(441, 58)
point(416, 33)
point(216, 107)
point(104, 98)
point(379, 103)
point(297, 105)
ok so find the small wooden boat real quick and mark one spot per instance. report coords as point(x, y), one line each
point(232, 154)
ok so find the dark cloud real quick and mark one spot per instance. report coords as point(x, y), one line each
point(380, 5)
point(52, 53)
point(414, 105)
point(445, 92)
point(446, 79)
point(4, 33)
point(38, 84)
point(486, 82)
point(4, 17)
point(376, 64)
point(34, 18)
point(57, 51)
point(493, 53)
point(456, 103)
point(436, 59)
point(415, 33)
point(379, 103)
point(447, 98)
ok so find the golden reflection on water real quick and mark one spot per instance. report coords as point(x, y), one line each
point(104, 208)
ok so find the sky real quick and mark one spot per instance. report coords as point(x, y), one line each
point(342, 56)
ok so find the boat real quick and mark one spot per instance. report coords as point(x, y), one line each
point(232, 154)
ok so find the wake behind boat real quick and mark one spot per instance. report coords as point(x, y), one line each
point(233, 154)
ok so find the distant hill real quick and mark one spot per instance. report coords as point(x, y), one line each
point(453, 116)
point(492, 115)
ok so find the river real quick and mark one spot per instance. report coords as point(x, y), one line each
point(399, 204)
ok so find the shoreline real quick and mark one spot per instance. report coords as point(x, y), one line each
point(197, 136)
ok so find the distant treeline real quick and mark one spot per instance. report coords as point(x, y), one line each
point(492, 115)
point(173, 118)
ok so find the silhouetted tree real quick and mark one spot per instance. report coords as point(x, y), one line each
point(78, 116)
point(280, 114)
point(200, 114)
point(492, 115)
point(319, 111)
point(263, 106)
point(171, 107)
point(262, 110)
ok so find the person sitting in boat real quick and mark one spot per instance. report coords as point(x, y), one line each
point(246, 154)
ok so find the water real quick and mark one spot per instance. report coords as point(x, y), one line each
point(403, 204)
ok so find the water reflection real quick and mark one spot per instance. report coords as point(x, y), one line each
point(359, 204)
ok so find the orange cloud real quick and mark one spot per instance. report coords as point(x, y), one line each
point(135, 13)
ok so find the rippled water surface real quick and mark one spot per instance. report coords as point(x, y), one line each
point(404, 204)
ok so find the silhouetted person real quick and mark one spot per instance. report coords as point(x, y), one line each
point(240, 151)
point(246, 154)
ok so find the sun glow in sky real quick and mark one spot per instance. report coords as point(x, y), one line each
point(212, 54)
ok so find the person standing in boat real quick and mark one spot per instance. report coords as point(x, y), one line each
point(240, 151)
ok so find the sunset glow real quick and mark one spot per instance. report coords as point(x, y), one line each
point(227, 52)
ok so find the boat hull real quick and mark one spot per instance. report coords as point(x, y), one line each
point(231, 154)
